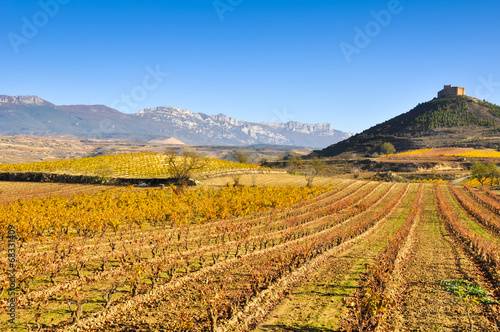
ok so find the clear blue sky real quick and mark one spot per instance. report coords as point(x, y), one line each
point(255, 60)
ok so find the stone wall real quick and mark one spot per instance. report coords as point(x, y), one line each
point(451, 91)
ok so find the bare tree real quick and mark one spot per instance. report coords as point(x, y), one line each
point(242, 157)
point(254, 176)
point(315, 167)
point(236, 180)
point(355, 171)
point(294, 162)
point(181, 166)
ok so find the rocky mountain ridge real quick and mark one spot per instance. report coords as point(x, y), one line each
point(20, 100)
point(32, 115)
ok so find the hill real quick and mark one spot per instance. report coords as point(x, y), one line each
point(31, 115)
point(145, 169)
point(168, 141)
point(460, 121)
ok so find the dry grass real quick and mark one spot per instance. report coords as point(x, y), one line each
point(268, 180)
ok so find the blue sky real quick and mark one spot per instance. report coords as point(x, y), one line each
point(351, 63)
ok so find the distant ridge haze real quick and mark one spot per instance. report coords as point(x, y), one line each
point(32, 115)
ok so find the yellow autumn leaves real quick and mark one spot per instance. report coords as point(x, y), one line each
point(111, 210)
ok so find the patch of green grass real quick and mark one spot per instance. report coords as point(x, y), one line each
point(466, 289)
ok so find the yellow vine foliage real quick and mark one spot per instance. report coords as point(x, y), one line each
point(146, 165)
point(430, 181)
point(453, 152)
point(485, 153)
point(413, 152)
point(110, 210)
point(476, 183)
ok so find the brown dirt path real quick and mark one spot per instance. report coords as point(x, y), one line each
point(424, 305)
point(317, 305)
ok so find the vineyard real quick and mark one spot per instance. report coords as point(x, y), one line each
point(451, 152)
point(478, 154)
point(135, 165)
point(476, 183)
point(381, 255)
point(11, 191)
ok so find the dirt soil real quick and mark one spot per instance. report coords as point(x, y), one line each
point(317, 305)
point(424, 306)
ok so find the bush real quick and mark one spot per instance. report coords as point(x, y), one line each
point(387, 148)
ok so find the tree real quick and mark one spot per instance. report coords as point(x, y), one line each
point(236, 180)
point(493, 172)
point(478, 171)
point(181, 166)
point(294, 162)
point(242, 157)
point(254, 176)
point(387, 148)
point(355, 171)
point(482, 172)
point(315, 167)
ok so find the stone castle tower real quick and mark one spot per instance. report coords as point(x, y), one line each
point(451, 91)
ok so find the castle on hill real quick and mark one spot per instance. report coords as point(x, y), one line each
point(451, 91)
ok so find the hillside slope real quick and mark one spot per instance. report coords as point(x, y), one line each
point(460, 121)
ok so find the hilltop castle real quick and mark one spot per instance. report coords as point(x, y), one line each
point(451, 91)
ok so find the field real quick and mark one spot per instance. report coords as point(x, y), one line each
point(441, 164)
point(266, 180)
point(28, 149)
point(11, 191)
point(132, 165)
point(447, 154)
point(346, 254)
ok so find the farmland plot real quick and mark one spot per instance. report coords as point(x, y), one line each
point(355, 256)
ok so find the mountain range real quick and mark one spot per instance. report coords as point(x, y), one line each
point(32, 115)
point(459, 121)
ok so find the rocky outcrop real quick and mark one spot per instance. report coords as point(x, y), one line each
point(26, 100)
point(306, 128)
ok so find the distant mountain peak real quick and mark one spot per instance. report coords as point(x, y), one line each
point(26, 100)
point(168, 141)
point(21, 115)
point(163, 110)
point(306, 128)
